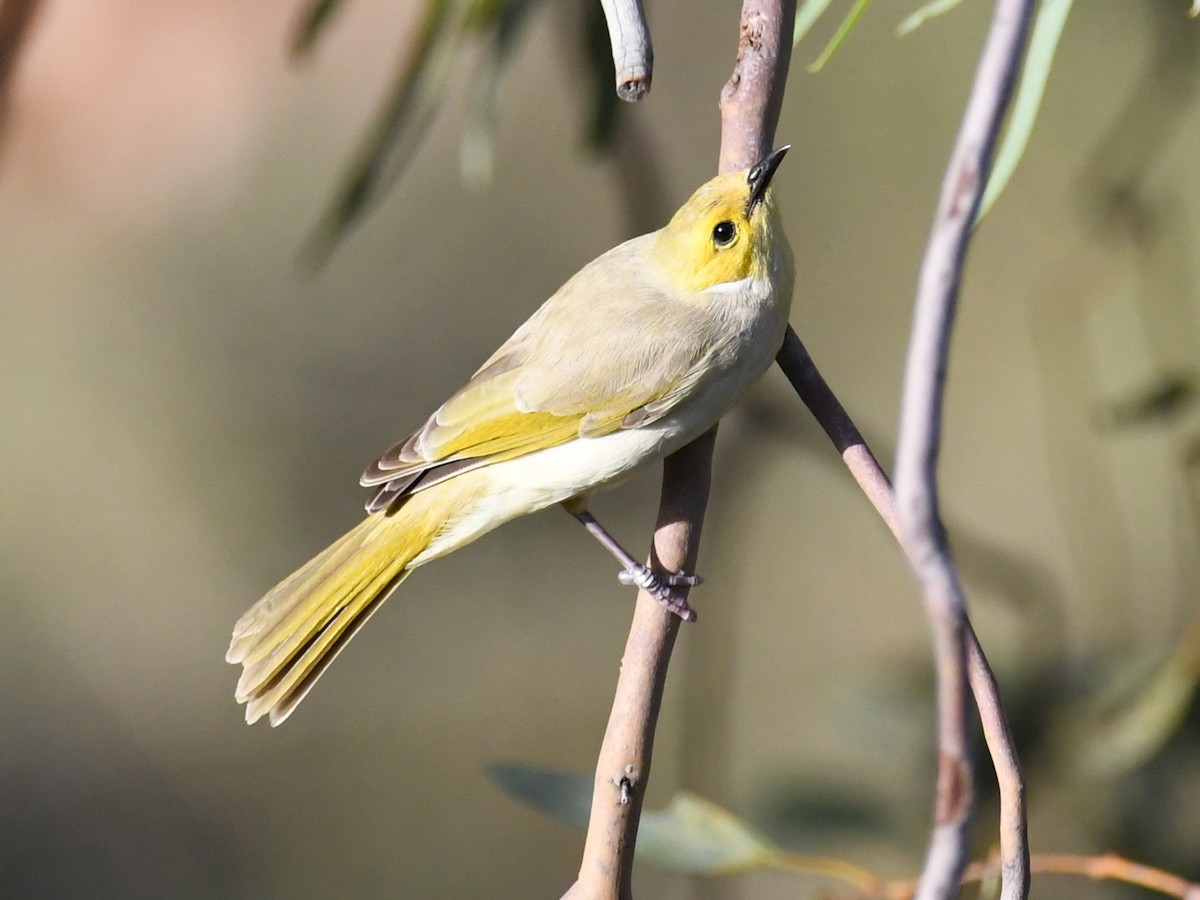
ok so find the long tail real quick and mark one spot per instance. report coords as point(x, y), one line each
point(289, 637)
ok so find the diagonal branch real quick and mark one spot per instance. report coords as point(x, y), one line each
point(808, 382)
point(750, 104)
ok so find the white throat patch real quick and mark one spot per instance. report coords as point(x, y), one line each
point(731, 287)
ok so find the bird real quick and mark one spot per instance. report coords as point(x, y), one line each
point(640, 352)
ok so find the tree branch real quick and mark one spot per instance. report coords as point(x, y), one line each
point(750, 104)
point(1101, 867)
point(920, 431)
point(1014, 829)
point(753, 95)
point(802, 372)
point(624, 764)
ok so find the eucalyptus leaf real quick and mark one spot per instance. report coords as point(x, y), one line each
point(695, 837)
point(1043, 45)
point(442, 34)
point(1127, 722)
point(806, 18)
point(396, 131)
point(1161, 400)
point(839, 37)
point(927, 11)
point(566, 796)
point(691, 835)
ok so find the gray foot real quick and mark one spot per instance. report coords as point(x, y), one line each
point(661, 586)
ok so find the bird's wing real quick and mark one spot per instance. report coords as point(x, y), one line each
point(570, 371)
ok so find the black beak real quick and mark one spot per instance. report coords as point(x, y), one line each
point(759, 177)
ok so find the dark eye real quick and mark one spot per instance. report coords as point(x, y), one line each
point(724, 233)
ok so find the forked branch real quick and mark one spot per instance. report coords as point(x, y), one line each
point(808, 382)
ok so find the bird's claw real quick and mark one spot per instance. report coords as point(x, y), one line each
point(661, 586)
point(670, 579)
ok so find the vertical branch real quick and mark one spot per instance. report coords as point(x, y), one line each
point(753, 96)
point(920, 429)
point(750, 105)
point(622, 770)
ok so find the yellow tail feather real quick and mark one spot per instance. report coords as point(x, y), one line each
point(288, 638)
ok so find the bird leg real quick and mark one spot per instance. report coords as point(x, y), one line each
point(659, 585)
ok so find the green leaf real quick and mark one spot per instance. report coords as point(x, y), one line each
point(696, 837)
point(806, 18)
point(928, 11)
point(843, 32)
point(396, 130)
point(1043, 43)
point(312, 23)
point(691, 835)
point(444, 30)
point(1127, 722)
point(566, 796)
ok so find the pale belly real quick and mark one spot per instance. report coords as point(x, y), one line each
point(524, 485)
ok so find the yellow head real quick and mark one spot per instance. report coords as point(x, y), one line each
point(729, 230)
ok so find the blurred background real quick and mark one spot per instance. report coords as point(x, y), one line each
point(186, 406)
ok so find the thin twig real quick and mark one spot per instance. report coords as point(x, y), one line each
point(1014, 828)
point(1099, 867)
point(796, 363)
point(1102, 867)
point(633, 55)
point(920, 430)
point(1110, 867)
point(750, 104)
point(798, 366)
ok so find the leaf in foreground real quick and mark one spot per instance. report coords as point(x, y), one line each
point(691, 835)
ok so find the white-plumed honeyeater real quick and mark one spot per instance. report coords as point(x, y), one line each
point(642, 351)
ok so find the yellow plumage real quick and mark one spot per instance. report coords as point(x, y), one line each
point(638, 354)
point(288, 638)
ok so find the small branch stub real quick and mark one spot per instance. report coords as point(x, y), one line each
point(633, 55)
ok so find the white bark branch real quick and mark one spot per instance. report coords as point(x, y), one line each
point(920, 431)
